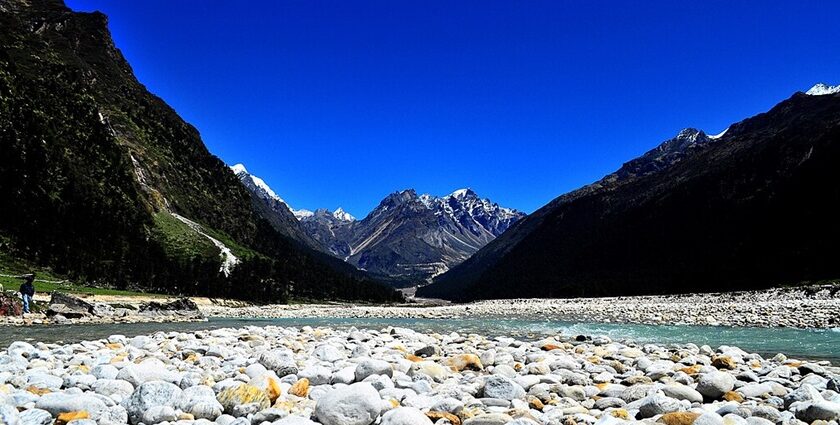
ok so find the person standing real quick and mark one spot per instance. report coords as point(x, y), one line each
point(27, 291)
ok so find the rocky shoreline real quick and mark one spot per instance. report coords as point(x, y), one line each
point(64, 308)
point(803, 307)
point(396, 376)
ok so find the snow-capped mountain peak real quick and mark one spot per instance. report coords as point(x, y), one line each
point(820, 89)
point(302, 214)
point(461, 193)
point(260, 184)
point(342, 215)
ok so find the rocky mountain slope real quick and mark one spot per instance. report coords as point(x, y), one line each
point(406, 239)
point(750, 208)
point(409, 238)
point(103, 181)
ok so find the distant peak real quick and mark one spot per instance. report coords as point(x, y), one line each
point(239, 169)
point(820, 89)
point(460, 193)
point(342, 215)
point(689, 133)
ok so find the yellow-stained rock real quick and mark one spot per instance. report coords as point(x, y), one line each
point(243, 394)
point(434, 416)
point(65, 417)
point(691, 370)
point(413, 358)
point(462, 362)
point(620, 414)
point(192, 358)
point(755, 364)
point(37, 391)
point(300, 388)
point(114, 346)
point(724, 362)
point(733, 396)
point(186, 417)
point(594, 359)
point(535, 403)
point(550, 346)
point(679, 418)
point(394, 403)
point(118, 358)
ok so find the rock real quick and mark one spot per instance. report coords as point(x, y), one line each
point(327, 353)
point(405, 416)
point(656, 405)
point(368, 367)
point(269, 415)
point(489, 419)
point(497, 386)
point(232, 397)
point(179, 305)
point(435, 415)
point(724, 362)
point(679, 418)
point(280, 361)
point(818, 410)
point(715, 384)
point(146, 371)
point(682, 392)
point(148, 395)
point(102, 310)
point(200, 401)
point(427, 351)
point(709, 418)
point(294, 420)
point(116, 389)
point(300, 388)
point(58, 403)
point(34, 417)
point(356, 404)
point(462, 362)
point(158, 414)
point(9, 415)
point(68, 306)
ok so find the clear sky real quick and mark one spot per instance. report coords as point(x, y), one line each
point(338, 103)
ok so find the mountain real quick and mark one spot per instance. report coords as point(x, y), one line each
point(273, 208)
point(102, 181)
point(408, 238)
point(750, 208)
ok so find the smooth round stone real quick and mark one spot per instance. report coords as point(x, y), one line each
point(35, 417)
point(9, 415)
point(294, 420)
point(356, 404)
point(200, 401)
point(56, 403)
point(116, 389)
point(105, 371)
point(368, 367)
point(657, 404)
point(715, 384)
point(708, 418)
point(489, 419)
point(682, 392)
point(405, 416)
point(501, 387)
point(280, 361)
point(146, 371)
point(327, 353)
point(149, 395)
point(158, 414)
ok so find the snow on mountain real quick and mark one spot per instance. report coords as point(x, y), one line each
point(343, 215)
point(302, 214)
point(241, 172)
point(820, 89)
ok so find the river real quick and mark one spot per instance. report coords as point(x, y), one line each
point(821, 344)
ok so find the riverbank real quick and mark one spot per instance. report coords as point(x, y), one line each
point(293, 376)
point(804, 307)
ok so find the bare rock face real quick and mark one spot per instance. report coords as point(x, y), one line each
point(68, 306)
point(179, 305)
point(10, 305)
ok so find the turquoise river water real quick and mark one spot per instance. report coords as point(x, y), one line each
point(797, 343)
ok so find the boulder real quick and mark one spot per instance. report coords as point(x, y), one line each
point(498, 386)
point(68, 306)
point(356, 404)
point(179, 305)
point(405, 416)
point(149, 395)
point(715, 384)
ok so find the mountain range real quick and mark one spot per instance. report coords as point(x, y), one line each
point(407, 239)
point(104, 183)
point(751, 207)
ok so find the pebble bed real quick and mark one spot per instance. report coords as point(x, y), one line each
point(804, 307)
point(396, 376)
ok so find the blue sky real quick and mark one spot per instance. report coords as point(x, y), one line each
point(338, 103)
